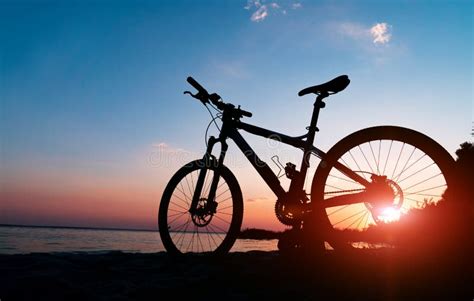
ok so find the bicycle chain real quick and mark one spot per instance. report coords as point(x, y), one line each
point(341, 191)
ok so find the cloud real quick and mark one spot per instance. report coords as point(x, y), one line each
point(165, 155)
point(275, 5)
point(353, 30)
point(233, 69)
point(260, 14)
point(263, 10)
point(258, 199)
point(296, 5)
point(165, 147)
point(380, 33)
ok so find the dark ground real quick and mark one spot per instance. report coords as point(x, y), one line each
point(255, 275)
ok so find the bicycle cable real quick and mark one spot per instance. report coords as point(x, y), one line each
point(218, 115)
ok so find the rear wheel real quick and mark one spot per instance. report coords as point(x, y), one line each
point(207, 230)
point(405, 169)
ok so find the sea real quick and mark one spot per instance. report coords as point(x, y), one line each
point(26, 239)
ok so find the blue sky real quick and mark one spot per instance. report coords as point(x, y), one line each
point(91, 88)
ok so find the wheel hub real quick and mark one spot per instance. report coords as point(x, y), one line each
point(204, 212)
point(384, 197)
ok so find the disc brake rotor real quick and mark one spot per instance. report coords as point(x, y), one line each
point(203, 215)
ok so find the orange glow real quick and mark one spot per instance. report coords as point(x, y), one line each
point(389, 215)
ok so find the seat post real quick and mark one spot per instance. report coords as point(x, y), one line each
point(318, 105)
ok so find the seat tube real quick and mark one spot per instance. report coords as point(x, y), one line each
point(299, 182)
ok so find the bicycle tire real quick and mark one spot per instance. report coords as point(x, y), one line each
point(233, 231)
point(431, 148)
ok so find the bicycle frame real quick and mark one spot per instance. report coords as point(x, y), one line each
point(230, 128)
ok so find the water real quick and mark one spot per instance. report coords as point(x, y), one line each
point(21, 240)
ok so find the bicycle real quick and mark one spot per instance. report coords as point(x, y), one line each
point(367, 178)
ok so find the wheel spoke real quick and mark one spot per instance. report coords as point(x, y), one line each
point(358, 167)
point(187, 203)
point(212, 236)
point(189, 188)
point(357, 220)
point(169, 223)
point(375, 160)
point(179, 206)
point(367, 161)
point(340, 178)
point(199, 234)
point(398, 160)
point(205, 186)
point(199, 239)
point(421, 182)
point(339, 209)
point(218, 228)
point(403, 168)
point(222, 193)
point(417, 172)
point(423, 190)
point(351, 216)
point(222, 209)
point(227, 222)
point(182, 191)
point(414, 168)
point(388, 155)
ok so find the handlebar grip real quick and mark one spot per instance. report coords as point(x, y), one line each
point(196, 85)
point(246, 113)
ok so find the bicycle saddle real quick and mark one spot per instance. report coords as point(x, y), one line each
point(333, 86)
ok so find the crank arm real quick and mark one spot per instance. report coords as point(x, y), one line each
point(346, 199)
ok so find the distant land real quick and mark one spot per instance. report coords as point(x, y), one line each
point(259, 234)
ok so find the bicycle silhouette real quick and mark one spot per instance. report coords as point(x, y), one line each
point(369, 177)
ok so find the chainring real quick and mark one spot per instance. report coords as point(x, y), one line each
point(285, 215)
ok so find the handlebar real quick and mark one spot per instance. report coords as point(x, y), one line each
point(196, 85)
point(245, 113)
point(204, 97)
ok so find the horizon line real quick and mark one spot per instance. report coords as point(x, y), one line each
point(77, 227)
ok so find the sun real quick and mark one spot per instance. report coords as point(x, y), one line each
point(389, 215)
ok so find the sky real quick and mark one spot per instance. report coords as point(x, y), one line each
point(93, 120)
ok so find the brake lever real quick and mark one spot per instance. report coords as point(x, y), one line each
point(188, 92)
point(197, 96)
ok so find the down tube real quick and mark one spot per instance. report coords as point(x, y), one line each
point(262, 168)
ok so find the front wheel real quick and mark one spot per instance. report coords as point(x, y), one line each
point(405, 169)
point(206, 231)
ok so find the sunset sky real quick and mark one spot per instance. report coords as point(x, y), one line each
point(93, 121)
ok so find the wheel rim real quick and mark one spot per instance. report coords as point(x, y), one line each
point(204, 232)
point(419, 178)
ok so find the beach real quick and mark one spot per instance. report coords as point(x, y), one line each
point(254, 275)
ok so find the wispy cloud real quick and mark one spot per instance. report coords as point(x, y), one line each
point(262, 9)
point(296, 5)
point(380, 33)
point(354, 31)
point(165, 155)
point(232, 69)
point(257, 199)
point(260, 14)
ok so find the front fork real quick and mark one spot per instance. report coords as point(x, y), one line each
point(208, 161)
